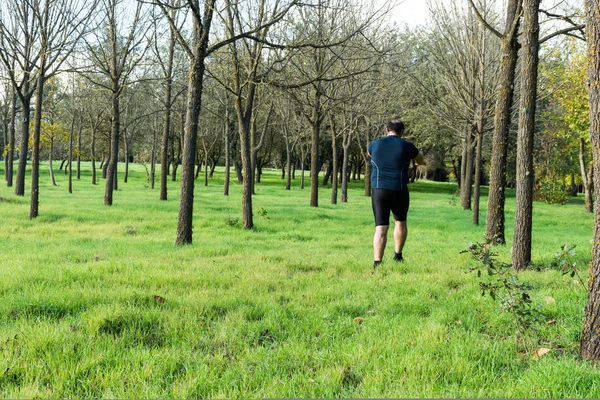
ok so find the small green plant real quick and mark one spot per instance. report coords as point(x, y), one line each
point(453, 201)
point(263, 212)
point(500, 282)
point(562, 261)
point(130, 230)
point(231, 221)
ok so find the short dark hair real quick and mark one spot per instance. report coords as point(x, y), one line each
point(396, 126)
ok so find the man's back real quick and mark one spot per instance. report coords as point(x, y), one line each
point(391, 157)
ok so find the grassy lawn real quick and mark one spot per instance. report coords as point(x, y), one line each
point(97, 301)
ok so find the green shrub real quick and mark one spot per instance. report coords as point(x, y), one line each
point(551, 191)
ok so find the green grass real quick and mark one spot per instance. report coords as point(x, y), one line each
point(97, 301)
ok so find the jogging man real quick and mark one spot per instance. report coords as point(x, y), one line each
point(391, 157)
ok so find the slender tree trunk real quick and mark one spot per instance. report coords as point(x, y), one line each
point(37, 127)
point(334, 165)
point(164, 159)
point(521, 254)
point(368, 170)
point(573, 185)
point(302, 169)
point(479, 129)
point(227, 153)
point(153, 160)
point(586, 178)
point(10, 159)
point(79, 147)
point(104, 165)
point(467, 188)
point(502, 120)
point(345, 173)
point(477, 179)
point(111, 170)
point(126, 143)
point(50, 168)
point(71, 154)
point(5, 128)
point(463, 167)
point(590, 337)
point(205, 168)
point(288, 163)
point(314, 150)
point(24, 146)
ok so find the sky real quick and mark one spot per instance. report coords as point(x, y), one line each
point(411, 12)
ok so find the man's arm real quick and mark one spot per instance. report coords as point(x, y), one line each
point(420, 160)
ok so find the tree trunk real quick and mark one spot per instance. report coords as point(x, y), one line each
point(502, 120)
point(573, 185)
point(50, 168)
point(334, 165)
point(111, 170)
point(10, 159)
point(368, 170)
point(79, 147)
point(104, 165)
point(327, 174)
point(164, 159)
point(302, 169)
point(586, 177)
point(194, 101)
point(71, 154)
point(467, 187)
point(126, 143)
point(153, 160)
point(314, 150)
point(521, 254)
point(345, 173)
point(227, 178)
point(24, 146)
point(37, 127)
point(288, 163)
point(590, 337)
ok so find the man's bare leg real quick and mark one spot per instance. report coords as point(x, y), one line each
point(400, 233)
point(379, 242)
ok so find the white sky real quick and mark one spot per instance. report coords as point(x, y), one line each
point(411, 12)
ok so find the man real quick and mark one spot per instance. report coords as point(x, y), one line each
point(391, 157)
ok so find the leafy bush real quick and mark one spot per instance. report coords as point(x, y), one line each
point(551, 191)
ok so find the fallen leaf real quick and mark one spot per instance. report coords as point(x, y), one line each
point(575, 282)
point(358, 320)
point(551, 322)
point(549, 300)
point(458, 322)
point(540, 352)
point(371, 312)
point(310, 380)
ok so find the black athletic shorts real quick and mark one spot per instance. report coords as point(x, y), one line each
point(384, 201)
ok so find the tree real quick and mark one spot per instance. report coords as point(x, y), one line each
point(590, 337)
point(114, 56)
point(18, 53)
point(197, 53)
point(61, 24)
point(502, 118)
point(521, 254)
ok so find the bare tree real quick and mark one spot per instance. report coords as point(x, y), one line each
point(18, 32)
point(115, 55)
point(61, 24)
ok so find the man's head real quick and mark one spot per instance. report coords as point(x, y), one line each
point(395, 126)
